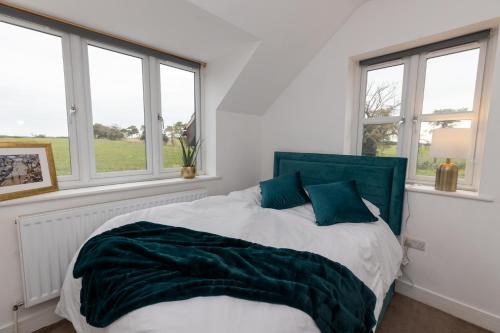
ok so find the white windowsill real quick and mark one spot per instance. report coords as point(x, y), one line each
point(95, 190)
point(458, 194)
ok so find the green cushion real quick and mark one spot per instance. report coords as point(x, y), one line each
point(338, 203)
point(283, 192)
point(381, 180)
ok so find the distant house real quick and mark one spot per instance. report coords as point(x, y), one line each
point(190, 131)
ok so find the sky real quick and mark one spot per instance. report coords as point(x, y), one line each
point(449, 84)
point(33, 100)
point(32, 89)
point(449, 80)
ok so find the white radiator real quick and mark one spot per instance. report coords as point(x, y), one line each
point(48, 242)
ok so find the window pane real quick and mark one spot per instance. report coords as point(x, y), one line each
point(178, 110)
point(384, 88)
point(450, 82)
point(427, 165)
point(32, 95)
point(117, 110)
point(380, 140)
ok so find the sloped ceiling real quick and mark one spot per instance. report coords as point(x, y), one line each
point(282, 35)
point(291, 33)
point(177, 26)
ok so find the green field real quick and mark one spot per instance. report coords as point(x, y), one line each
point(426, 165)
point(111, 155)
point(126, 155)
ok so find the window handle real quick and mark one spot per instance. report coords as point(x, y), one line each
point(72, 112)
point(160, 119)
point(402, 121)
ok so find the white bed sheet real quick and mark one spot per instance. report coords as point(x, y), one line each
point(369, 250)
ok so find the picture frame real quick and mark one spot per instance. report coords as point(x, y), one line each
point(26, 169)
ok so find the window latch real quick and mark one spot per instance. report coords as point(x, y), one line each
point(72, 112)
point(402, 121)
point(160, 119)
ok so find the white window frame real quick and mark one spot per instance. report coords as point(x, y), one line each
point(197, 104)
point(69, 91)
point(470, 169)
point(146, 109)
point(382, 120)
point(79, 111)
point(411, 115)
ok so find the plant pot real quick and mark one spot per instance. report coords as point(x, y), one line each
point(188, 172)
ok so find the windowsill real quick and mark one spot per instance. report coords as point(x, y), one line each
point(470, 195)
point(95, 190)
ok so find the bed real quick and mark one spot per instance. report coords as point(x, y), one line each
point(370, 250)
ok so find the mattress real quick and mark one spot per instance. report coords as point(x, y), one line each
point(369, 250)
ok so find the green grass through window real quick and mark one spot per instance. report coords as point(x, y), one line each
point(111, 155)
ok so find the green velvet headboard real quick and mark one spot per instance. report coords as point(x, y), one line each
point(381, 180)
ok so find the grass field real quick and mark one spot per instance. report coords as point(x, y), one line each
point(111, 155)
point(126, 155)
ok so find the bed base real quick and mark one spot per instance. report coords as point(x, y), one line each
point(387, 301)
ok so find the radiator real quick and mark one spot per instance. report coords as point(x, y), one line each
point(48, 242)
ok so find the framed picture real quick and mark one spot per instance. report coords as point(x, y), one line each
point(26, 169)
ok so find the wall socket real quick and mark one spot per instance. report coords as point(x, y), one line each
point(415, 244)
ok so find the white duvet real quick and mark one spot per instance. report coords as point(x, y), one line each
point(369, 250)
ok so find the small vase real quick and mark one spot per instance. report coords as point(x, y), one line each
point(188, 172)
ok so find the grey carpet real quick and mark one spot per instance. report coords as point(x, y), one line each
point(404, 315)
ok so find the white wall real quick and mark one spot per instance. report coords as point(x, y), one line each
point(459, 271)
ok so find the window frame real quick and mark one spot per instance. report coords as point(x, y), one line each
point(68, 89)
point(146, 101)
point(79, 120)
point(381, 120)
point(197, 106)
point(473, 116)
point(412, 115)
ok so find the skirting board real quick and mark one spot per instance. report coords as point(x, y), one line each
point(33, 321)
point(458, 309)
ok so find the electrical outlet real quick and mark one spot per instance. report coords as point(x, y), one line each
point(415, 244)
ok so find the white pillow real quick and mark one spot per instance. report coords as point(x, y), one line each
point(253, 195)
point(373, 209)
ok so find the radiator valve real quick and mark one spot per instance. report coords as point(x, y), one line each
point(17, 306)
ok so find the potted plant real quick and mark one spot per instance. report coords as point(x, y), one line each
point(189, 158)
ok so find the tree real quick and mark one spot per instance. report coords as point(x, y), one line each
point(175, 131)
point(381, 101)
point(446, 123)
point(165, 137)
point(106, 132)
point(132, 131)
point(143, 133)
point(100, 131)
point(115, 133)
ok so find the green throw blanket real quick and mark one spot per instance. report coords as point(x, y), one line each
point(145, 263)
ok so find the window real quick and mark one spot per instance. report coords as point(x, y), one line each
point(382, 110)
point(116, 92)
point(113, 111)
point(403, 100)
point(178, 110)
point(33, 99)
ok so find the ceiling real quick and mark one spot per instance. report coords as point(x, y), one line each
point(287, 34)
point(291, 33)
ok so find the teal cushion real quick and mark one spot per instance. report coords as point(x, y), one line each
point(338, 203)
point(283, 192)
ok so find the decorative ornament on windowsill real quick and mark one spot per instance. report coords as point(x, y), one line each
point(189, 158)
point(449, 143)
